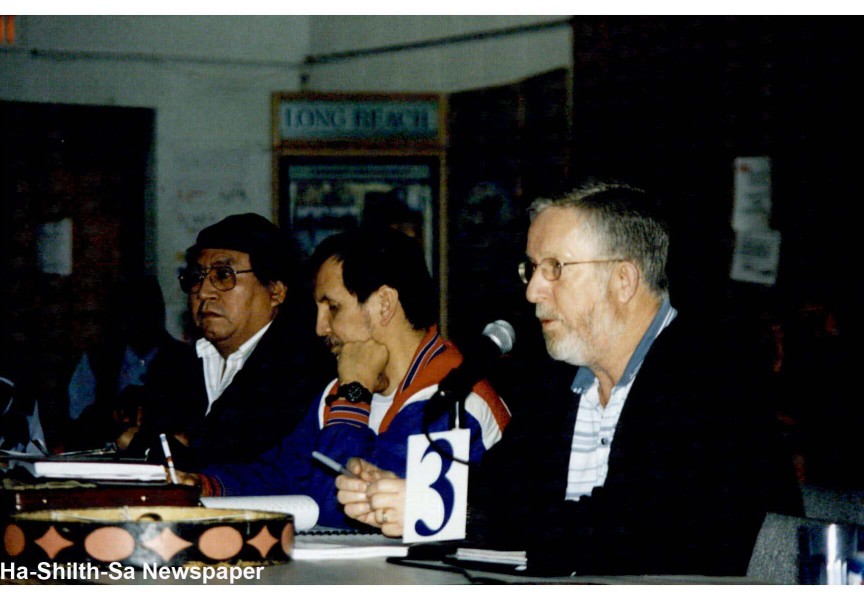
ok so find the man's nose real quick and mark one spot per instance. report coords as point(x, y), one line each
point(322, 325)
point(538, 287)
point(207, 289)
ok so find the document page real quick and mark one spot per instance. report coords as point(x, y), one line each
point(304, 508)
point(340, 545)
point(92, 470)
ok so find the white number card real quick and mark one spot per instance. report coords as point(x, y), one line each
point(436, 495)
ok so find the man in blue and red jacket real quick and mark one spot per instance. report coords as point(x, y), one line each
point(377, 313)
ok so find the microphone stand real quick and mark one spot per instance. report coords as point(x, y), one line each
point(451, 397)
point(458, 412)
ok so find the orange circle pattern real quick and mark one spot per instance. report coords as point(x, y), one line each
point(13, 540)
point(288, 539)
point(109, 544)
point(220, 543)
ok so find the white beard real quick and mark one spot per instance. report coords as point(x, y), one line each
point(566, 344)
point(569, 347)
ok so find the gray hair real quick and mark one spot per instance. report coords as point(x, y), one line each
point(625, 223)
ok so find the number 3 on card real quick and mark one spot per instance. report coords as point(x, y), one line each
point(436, 495)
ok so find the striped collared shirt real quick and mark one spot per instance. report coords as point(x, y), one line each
point(595, 425)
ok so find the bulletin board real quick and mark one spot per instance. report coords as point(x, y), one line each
point(345, 160)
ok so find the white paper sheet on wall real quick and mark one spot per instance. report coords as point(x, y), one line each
point(757, 256)
point(752, 207)
point(54, 247)
point(213, 186)
point(757, 246)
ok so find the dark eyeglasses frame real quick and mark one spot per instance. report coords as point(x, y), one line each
point(196, 278)
point(527, 267)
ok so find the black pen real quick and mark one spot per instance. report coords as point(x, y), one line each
point(332, 464)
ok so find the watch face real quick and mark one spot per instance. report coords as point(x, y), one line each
point(354, 392)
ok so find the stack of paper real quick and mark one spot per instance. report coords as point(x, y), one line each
point(517, 558)
point(346, 546)
point(304, 508)
point(92, 470)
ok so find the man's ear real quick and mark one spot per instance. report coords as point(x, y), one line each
point(388, 303)
point(278, 291)
point(625, 279)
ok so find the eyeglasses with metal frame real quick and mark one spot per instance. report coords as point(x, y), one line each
point(223, 278)
point(550, 268)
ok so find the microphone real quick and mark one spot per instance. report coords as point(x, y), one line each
point(478, 357)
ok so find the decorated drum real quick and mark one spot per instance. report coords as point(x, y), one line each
point(148, 535)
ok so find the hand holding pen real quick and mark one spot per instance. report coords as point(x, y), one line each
point(373, 496)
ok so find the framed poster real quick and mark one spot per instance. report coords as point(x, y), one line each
point(327, 195)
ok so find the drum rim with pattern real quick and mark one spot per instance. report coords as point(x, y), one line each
point(148, 535)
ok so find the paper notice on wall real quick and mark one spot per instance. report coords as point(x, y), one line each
point(207, 187)
point(757, 256)
point(752, 193)
point(54, 247)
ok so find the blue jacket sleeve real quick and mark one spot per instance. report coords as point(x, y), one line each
point(283, 469)
point(288, 467)
point(340, 442)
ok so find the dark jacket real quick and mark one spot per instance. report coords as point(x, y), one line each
point(97, 425)
point(695, 464)
point(265, 401)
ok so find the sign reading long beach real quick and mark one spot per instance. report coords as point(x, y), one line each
point(341, 119)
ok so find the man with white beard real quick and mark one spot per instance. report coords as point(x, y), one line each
point(659, 455)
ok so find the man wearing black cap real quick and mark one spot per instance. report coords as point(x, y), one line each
point(256, 377)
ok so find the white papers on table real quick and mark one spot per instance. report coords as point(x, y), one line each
point(304, 508)
point(92, 470)
point(517, 558)
point(346, 546)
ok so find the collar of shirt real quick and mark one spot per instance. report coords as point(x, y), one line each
point(205, 348)
point(585, 377)
point(380, 405)
point(219, 372)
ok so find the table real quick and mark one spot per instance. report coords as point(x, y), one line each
point(367, 571)
point(377, 571)
point(15, 497)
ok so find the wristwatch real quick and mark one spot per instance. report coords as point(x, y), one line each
point(353, 392)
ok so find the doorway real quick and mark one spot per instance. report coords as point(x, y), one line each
point(74, 218)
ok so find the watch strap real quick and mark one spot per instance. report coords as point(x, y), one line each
point(353, 392)
point(350, 405)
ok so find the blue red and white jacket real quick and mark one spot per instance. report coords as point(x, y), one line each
point(288, 468)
